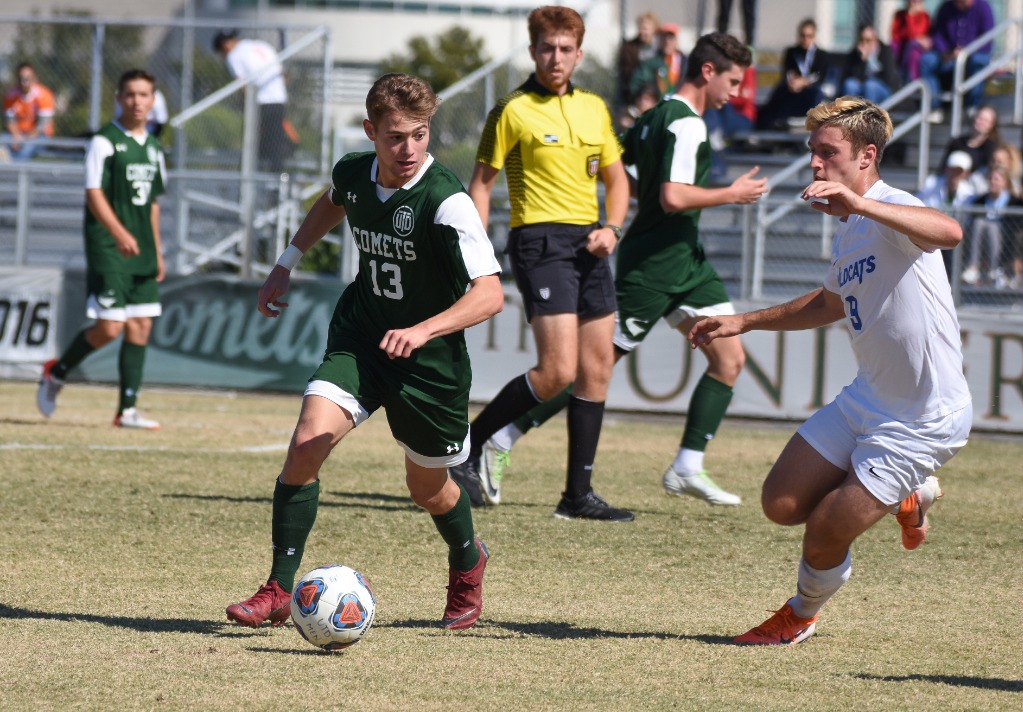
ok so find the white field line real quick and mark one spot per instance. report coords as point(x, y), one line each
point(252, 450)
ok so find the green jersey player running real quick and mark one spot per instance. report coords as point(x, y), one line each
point(662, 271)
point(427, 271)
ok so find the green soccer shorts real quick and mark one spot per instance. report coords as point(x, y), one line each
point(433, 430)
point(115, 296)
point(640, 306)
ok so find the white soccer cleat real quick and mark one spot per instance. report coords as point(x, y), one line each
point(131, 418)
point(700, 486)
point(49, 387)
point(493, 464)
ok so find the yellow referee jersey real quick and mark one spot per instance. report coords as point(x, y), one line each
point(552, 149)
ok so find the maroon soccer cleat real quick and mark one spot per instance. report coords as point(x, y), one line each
point(465, 594)
point(270, 602)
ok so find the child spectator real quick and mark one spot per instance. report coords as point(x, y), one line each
point(989, 228)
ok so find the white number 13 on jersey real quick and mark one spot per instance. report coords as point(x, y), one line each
point(391, 272)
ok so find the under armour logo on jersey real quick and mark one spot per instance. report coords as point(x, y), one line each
point(452, 448)
point(351, 196)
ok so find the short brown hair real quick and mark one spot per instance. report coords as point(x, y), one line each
point(401, 94)
point(133, 74)
point(554, 18)
point(862, 122)
point(720, 49)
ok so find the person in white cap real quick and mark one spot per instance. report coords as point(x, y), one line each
point(950, 191)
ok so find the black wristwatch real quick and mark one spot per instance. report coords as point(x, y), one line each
point(616, 230)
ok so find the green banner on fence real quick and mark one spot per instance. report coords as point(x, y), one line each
point(210, 334)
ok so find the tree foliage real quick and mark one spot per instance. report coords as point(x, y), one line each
point(62, 54)
point(442, 62)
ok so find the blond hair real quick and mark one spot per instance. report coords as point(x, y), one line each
point(863, 123)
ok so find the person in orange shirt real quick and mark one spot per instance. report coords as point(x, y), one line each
point(28, 113)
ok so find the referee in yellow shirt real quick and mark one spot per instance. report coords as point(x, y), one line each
point(554, 140)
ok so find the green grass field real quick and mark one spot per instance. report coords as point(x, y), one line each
point(120, 551)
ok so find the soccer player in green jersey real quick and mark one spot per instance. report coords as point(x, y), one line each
point(427, 271)
point(124, 174)
point(662, 271)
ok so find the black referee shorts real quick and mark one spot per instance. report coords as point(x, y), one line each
point(556, 274)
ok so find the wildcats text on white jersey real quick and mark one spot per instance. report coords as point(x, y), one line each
point(856, 270)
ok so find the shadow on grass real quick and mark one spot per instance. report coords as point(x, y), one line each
point(554, 630)
point(142, 625)
point(982, 683)
point(361, 500)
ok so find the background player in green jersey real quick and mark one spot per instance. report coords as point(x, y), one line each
point(427, 271)
point(553, 140)
point(662, 270)
point(124, 173)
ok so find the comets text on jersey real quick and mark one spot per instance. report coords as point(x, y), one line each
point(384, 245)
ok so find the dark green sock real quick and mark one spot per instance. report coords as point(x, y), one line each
point(540, 414)
point(456, 530)
point(706, 411)
point(130, 363)
point(74, 355)
point(293, 516)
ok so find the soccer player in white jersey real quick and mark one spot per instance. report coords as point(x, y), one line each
point(874, 449)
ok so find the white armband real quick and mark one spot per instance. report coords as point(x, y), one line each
point(290, 258)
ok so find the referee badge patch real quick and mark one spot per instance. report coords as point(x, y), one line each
point(592, 165)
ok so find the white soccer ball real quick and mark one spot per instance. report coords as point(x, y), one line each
point(333, 607)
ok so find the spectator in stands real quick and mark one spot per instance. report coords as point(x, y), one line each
point(989, 229)
point(28, 114)
point(158, 115)
point(1008, 157)
point(956, 24)
point(749, 18)
point(950, 192)
point(869, 70)
point(738, 116)
point(981, 142)
point(250, 59)
point(910, 38)
point(665, 69)
point(633, 53)
point(647, 99)
point(804, 70)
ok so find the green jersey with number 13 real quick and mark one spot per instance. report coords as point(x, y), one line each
point(419, 248)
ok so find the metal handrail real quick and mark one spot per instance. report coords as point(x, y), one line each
point(961, 84)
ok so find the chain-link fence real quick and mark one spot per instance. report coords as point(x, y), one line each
point(223, 207)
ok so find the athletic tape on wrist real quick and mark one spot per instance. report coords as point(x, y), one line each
point(290, 258)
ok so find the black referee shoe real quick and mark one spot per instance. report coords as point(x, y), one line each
point(591, 506)
point(468, 476)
